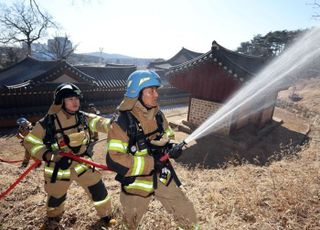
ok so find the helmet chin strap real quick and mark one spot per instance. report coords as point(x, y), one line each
point(144, 105)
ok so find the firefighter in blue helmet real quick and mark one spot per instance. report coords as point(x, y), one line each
point(138, 137)
point(67, 129)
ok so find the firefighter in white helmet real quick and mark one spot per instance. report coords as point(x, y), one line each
point(25, 127)
point(65, 128)
point(137, 139)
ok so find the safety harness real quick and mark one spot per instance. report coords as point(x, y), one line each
point(51, 132)
point(55, 139)
point(138, 141)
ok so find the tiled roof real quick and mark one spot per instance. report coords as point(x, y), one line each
point(25, 70)
point(182, 56)
point(238, 65)
point(31, 71)
point(109, 77)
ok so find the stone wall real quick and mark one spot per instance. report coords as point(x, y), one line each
point(200, 110)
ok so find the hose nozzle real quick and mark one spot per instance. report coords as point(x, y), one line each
point(182, 144)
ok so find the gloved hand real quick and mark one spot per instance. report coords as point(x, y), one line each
point(175, 151)
point(159, 165)
point(51, 156)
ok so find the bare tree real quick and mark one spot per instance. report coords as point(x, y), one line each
point(59, 48)
point(10, 56)
point(23, 22)
point(315, 5)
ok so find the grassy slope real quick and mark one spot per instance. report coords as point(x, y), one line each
point(283, 195)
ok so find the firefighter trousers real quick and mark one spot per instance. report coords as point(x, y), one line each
point(90, 181)
point(26, 158)
point(171, 197)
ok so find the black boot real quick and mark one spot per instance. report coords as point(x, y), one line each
point(24, 164)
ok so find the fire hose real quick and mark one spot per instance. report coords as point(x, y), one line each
point(83, 160)
point(10, 161)
point(11, 187)
point(37, 162)
point(165, 157)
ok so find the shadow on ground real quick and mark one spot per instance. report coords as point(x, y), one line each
point(215, 151)
point(8, 132)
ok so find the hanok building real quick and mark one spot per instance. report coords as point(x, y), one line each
point(27, 88)
point(162, 67)
point(214, 77)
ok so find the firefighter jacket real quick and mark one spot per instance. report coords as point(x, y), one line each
point(75, 133)
point(135, 171)
point(23, 131)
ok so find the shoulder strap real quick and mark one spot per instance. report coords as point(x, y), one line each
point(159, 119)
point(47, 123)
point(121, 119)
point(126, 122)
point(129, 124)
point(83, 119)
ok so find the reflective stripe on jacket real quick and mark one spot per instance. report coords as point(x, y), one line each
point(140, 166)
point(34, 141)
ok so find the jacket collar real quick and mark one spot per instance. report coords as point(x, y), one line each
point(142, 113)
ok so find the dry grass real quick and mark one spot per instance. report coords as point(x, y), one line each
point(283, 195)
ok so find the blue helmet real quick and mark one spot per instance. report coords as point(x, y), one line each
point(22, 121)
point(139, 80)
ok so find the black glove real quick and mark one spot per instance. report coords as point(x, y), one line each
point(51, 156)
point(158, 165)
point(175, 151)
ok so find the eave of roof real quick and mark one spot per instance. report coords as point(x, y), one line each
point(183, 52)
point(231, 61)
point(25, 70)
point(31, 72)
point(188, 54)
point(17, 86)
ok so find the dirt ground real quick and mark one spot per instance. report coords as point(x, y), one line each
point(308, 91)
point(210, 179)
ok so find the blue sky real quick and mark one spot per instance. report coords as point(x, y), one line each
point(159, 29)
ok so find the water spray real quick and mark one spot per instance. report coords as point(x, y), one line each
point(278, 75)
